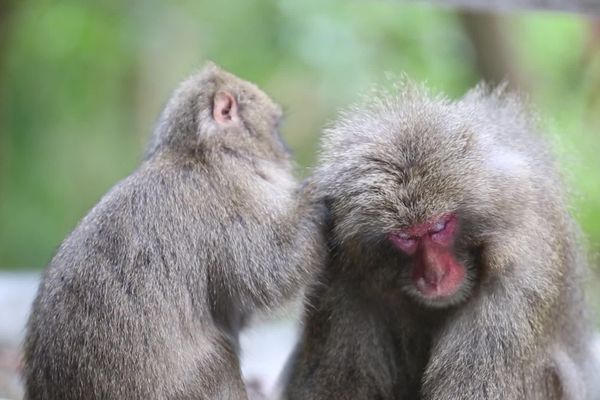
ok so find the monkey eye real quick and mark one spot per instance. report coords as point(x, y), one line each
point(443, 230)
point(438, 226)
point(404, 242)
point(405, 236)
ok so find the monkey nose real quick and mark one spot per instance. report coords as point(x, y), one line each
point(434, 274)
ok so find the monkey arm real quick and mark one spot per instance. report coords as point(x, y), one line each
point(287, 253)
point(342, 355)
point(488, 350)
point(273, 277)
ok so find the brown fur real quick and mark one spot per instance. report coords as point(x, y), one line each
point(518, 328)
point(145, 299)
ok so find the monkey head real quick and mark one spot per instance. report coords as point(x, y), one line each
point(412, 185)
point(214, 111)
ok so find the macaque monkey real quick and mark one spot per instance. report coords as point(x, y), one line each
point(145, 299)
point(455, 268)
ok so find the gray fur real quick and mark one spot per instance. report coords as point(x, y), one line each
point(145, 298)
point(518, 330)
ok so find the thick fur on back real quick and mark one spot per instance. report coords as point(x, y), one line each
point(145, 298)
point(519, 328)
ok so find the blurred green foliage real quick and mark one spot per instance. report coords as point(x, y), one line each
point(81, 83)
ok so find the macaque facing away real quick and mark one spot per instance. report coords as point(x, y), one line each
point(454, 268)
point(145, 299)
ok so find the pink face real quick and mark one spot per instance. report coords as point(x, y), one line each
point(436, 274)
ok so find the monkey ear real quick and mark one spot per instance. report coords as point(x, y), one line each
point(225, 108)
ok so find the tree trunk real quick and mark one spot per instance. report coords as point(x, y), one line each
point(494, 55)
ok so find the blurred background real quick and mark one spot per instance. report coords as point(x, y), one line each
point(82, 83)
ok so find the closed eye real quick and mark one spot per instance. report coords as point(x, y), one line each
point(404, 242)
point(438, 227)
